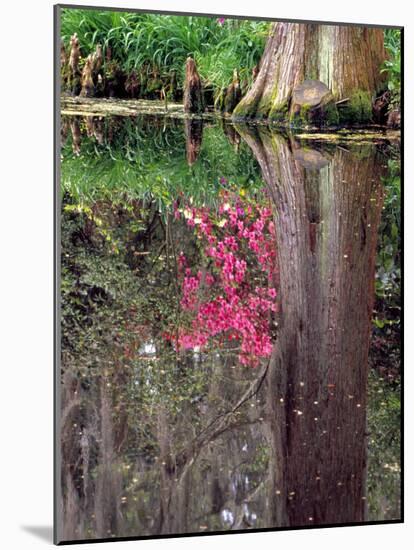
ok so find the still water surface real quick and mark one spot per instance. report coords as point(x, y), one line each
point(217, 303)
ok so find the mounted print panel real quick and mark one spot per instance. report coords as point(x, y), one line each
point(228, 275)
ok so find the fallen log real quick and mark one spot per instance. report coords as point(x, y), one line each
point(90, 106)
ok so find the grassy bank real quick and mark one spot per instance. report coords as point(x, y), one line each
point(155, 47)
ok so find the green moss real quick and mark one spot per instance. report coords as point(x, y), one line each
point(301, 117)
point(323, 115)
point(358, 110)
point(331, 115)
point(305, 113)
point(245, 109)
point(264, 107)
point(279, 112)
point(252, 108)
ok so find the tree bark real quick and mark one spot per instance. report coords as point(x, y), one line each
point(193, 89)
point(232, 94)
point(347, 59)
point(327, 209)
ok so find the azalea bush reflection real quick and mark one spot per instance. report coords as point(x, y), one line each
point(232, 294)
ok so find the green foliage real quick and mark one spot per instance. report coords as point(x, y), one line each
point(388, 272)
point(392, 66)
point(163, 42)
point(384, 469)
point(384, 398)
point(241, 47)
point(116, 304)
point(357, 110)
point(331, 114)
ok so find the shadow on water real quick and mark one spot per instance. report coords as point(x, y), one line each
point(217, 299)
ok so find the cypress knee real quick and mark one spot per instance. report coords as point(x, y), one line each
point(193, 90)
point(233, 94)
point(97, 61)
point(64, 67)
point(87, 80)
point(74, 80)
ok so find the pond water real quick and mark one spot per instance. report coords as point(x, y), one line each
point(219, 289)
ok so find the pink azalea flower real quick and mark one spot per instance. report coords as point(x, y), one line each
point(235, 310)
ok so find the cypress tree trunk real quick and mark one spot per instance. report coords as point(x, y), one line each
point(346, 59)
point(327, 209)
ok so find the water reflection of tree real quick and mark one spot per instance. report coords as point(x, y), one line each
point(327, 208)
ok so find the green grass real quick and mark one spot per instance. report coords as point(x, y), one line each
point(163, 42)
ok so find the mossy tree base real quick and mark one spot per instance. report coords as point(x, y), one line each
point(346, 60)
point(312, 104)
